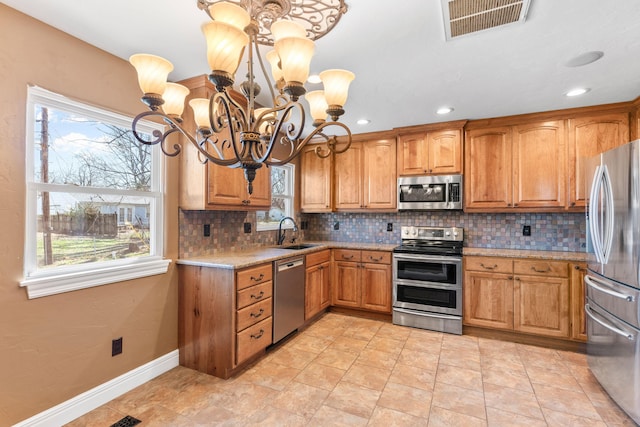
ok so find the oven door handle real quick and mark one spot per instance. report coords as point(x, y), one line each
point(429, 314)
point(428, 285)
point(428, 258)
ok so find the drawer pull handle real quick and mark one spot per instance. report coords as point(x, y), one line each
point(259, 296)
point(257, 337)
point(375, 259)
point(258, 314)
point(548, 269)
point(347, 257)
point(259, 278)
point(487, 267)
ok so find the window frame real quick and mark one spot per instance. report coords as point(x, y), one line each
point(61, 279)
point(287, 225)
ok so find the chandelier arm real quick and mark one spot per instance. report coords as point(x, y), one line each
point(290, 138)
point(331, 143)
point(264, 72)
point(160, 137)
point(233, 113)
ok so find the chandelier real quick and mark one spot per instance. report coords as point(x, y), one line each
point(241, 135)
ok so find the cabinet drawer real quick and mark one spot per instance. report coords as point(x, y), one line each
point(252, 314)
point(254, 294)
point(489, 264)
point(347, 255)
point(253, 276)
point(541, 268)
point(379, 257)
point(318, 258)
point(253, 339)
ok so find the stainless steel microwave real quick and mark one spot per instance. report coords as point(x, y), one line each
point(432, 192)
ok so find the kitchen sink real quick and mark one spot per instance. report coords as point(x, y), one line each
point(297, 247)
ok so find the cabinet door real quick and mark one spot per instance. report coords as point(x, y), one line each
point(226, 186)
point(346, 284)
point(578, 318)
point(313, 291)
point(413, 154)
point(589, 136)
point(445, 152)
point(376, 287)
point(315, 182)
point(379, 179)
point(487, 179)
point(541, 305)
point(325, 288)
point(261, 197)
point(488, 300)
point(539, 165)
point(348, 178)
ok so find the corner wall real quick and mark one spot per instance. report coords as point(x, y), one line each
point(54, 348)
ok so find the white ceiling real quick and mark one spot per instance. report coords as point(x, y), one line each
point(405, 70)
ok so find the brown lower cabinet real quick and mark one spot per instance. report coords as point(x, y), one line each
point(362, 280)
point(578, 295)
point(317, 294)
point(224, 316)
point(521, 295)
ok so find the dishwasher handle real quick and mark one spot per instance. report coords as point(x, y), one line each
point(289, 264)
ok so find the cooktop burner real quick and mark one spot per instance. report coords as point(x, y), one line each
point(431, 240)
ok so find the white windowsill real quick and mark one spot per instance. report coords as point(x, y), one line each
point(41, 286)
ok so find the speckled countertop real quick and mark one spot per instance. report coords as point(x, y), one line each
point(242, 259)
point(523, 253)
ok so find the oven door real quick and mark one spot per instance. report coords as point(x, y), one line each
point(428, 283)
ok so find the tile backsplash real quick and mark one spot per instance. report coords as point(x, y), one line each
point(549, 232)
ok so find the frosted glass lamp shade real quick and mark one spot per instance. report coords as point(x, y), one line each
point(336, 85)
point(225, 44)
point(317, 104)
point(295, 58)
point(230, 13)
point(200, 107)
point(274, 60)
point(285, 28)
point(174, 96)
point(152, 72)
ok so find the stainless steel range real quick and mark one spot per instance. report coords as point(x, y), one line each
point(427, 279)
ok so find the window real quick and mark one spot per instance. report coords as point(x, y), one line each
point(94, 197)
point(282, 185)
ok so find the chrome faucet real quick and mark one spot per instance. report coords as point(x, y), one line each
point(281, 232)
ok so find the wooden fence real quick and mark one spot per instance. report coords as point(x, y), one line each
point(86, 224)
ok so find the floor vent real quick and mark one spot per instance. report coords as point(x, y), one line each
point(463, 17)
point(127, 421)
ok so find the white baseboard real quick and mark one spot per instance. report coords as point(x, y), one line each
point(97, 396)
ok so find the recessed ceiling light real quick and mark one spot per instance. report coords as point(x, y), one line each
point(585, 58)
point(444, 110)
point(314, 78)
point(363, 121)
point(577, 91)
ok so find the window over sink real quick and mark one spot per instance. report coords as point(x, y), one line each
point(282, 194)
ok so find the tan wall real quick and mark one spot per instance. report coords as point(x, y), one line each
point(54, 348)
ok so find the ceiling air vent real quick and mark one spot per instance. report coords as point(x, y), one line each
point(463, 17)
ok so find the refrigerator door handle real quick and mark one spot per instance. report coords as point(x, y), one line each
point(592, 315)
point(593, 283)
point(609, 213)
point(594, 214)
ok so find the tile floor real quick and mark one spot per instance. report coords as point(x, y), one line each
point(350, 371)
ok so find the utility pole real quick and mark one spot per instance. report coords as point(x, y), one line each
point(44, 175)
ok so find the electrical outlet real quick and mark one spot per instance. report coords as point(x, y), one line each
point(207, 230)
point(247, 227)
point(336, 225)
point(389, 226)
point(526, 230)
point(116, 346)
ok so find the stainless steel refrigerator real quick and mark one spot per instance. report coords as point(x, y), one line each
point(613, 279)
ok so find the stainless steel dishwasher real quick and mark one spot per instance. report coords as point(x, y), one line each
point(288, 296)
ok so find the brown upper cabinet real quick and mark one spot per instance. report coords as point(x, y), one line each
point(365, 175)
point(435, 152)
point(589, 136)
point(209, 186)
point(315, 181)
point(518, 167)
